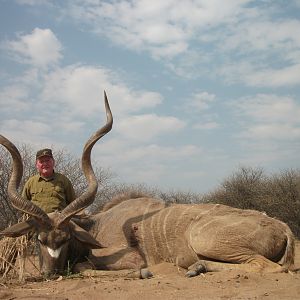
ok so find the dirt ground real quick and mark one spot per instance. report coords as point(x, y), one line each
point(168, 283)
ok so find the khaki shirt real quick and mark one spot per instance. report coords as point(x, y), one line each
point(50, 194)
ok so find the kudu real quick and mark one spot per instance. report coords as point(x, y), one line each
point(56, 231)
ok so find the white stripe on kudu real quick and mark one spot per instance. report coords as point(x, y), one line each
point(54, 253)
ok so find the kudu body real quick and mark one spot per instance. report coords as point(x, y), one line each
point(142, 232)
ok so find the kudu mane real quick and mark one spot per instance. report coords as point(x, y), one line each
point(119, 198)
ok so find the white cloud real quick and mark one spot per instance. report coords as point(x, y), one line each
point(269, 117)
point(201, 105)
point(72, 97)
point(119, 149)
point(146, 127)
point(270, 108)
point(34, 2)
point(145, 25)
point(273, 131)
point(261, 51)
point(267, 35)
point(40, 48)
point(189, 37)
point(286, 76)
point(28, 126)
point(33, 131)
point(12, 98)
point(160, 154)
point(262, 76)
point(169, 50)
point(15, 97)
point(206, 125)
point(202, 101)
point(239, 41)
point(149, 163)
point(74, 85)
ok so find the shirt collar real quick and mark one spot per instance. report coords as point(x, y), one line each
point(47, 178)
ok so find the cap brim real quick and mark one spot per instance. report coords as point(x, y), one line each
point(44, 156)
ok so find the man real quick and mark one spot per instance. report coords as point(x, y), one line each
point(49, 190)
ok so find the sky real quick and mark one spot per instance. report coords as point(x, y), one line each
point(198, 88)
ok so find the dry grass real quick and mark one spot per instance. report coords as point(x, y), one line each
point(13, 254)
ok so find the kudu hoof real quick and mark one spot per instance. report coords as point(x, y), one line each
point(197, 270)
point(145, 274)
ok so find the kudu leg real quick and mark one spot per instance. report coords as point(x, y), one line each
point(132, 273)
point(120, 262)
point(256, 263)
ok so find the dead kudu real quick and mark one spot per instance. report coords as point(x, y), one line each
point(137, 233)
point(200, 238)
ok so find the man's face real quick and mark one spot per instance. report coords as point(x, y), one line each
point(45, 166)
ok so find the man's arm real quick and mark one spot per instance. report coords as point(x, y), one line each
point(70, 193)
point(26, 191)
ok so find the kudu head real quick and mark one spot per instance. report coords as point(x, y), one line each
point(55, 230)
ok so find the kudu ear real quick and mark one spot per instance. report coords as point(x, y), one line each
point(19, 228)
point(84, 237)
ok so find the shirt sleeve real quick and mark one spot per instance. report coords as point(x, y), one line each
point(70, 193)
point(26, 192)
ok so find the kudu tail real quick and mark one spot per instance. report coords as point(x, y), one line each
point(289, 254)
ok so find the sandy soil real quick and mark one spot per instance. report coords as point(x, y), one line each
point(169, 282)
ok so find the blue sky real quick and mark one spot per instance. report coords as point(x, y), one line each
point(197, 88)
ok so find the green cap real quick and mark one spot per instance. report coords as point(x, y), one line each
point(44, 152)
